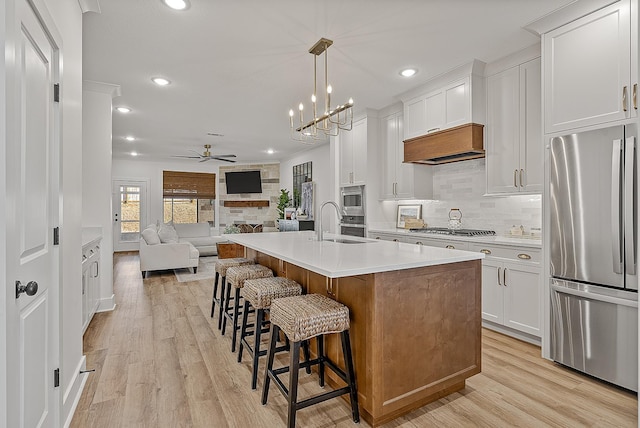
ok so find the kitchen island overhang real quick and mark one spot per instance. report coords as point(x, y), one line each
point(415, 312)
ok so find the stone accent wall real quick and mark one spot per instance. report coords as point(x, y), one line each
point(270, 175)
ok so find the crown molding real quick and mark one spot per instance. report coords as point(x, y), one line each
point(103, 88)
point(90, 6)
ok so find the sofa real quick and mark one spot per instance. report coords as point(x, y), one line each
point(199, 235)
point(160, 249)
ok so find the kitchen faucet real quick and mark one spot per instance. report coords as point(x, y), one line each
point(320, 222)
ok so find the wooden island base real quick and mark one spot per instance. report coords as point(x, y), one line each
point(415, 333)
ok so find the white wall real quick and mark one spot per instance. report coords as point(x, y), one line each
point(322, 174)
point(152, 171)
point(96, 174)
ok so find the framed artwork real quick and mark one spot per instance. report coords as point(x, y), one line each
point(306, 202)
point(289, 213)
point(408, 211)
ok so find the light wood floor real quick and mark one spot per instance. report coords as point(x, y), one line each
point(161, 362)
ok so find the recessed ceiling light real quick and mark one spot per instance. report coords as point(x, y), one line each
point(408, 72)
point(130, 138)
point(123, 109)
point(134, 153)
point(160, 81)
point(177, 4)
point(270, 151)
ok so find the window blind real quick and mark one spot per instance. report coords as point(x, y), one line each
point(194, 185)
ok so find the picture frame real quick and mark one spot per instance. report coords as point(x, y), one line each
point(288, 213)
point(408, 212)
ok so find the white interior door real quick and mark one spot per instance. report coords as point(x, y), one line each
point(32, 213)
point(129, 213)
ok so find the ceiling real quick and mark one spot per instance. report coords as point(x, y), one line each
point(237, 67)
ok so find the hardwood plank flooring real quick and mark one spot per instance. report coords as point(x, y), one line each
point(161, 362)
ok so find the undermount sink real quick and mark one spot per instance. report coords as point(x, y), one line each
point(346, 241)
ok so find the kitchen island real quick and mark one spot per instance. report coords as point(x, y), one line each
point(415, 312)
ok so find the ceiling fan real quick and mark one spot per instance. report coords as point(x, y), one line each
point(206, 156)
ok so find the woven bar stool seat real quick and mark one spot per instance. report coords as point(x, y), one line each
point(259, 293)
point(221, 267)
point(236, 276)
point(301, 318)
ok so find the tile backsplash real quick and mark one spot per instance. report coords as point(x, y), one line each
point(462, 185)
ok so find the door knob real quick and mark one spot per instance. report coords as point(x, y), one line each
point(31, 288)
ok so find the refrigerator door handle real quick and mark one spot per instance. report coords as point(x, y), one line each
point(615, 206)
point(630, 205)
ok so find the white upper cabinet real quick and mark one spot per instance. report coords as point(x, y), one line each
point(514, 130)
point(590, 69)
point(353, 154)
point(401, 180)
point(443, 108)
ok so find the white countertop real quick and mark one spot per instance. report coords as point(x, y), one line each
point(336, 260)
point(497, 239)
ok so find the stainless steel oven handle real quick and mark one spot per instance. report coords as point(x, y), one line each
point(630, 206)
point(353, 225)
point(615, 206)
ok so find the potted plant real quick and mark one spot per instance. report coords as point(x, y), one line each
point(283, 202)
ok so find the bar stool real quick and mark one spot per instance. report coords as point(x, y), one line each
point(301, 318)
point(236, 276)
point(221, 267)
point(258, 293)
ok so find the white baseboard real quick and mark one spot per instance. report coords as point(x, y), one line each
point(525, 337)
point(107, 304)
point(73, 393)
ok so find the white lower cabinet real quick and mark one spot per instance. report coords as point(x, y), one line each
point(511, 287)
point(90, 282)
point(452, 245)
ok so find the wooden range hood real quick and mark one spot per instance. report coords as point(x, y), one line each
point(451, 145)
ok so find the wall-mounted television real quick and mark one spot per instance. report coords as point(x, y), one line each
point(243, 182)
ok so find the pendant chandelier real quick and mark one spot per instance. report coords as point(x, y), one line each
point(333, 119)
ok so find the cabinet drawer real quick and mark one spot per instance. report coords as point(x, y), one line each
point(453, 245)
point(527, 255)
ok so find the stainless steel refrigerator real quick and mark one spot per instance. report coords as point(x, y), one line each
point(593, 252)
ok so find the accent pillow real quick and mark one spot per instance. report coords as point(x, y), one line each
point(167, 234)
point(150, 236)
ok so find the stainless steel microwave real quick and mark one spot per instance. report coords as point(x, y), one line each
point(352, 200)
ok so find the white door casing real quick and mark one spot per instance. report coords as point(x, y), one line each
point(122, 240)
point(32, 213)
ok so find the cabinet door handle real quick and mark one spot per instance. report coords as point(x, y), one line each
point(432, 129)
point(451, 247)
point(635, 96)
point(624, 98)
point(504, 277)
point(419, 243)
point(522, 178)
point(395, 240)
point(499, 269)
point(524, 256)
point(515, 178)
point(377, 237)
point(485, 251)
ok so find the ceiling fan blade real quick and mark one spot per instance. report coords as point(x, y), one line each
point(188, 157)
point(204, 159)
point(223, 159)
point(198, 153)
point(224, 156)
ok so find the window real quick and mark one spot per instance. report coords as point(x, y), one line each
point(188, 197)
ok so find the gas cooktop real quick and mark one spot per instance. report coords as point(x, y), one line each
point(459, 232)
